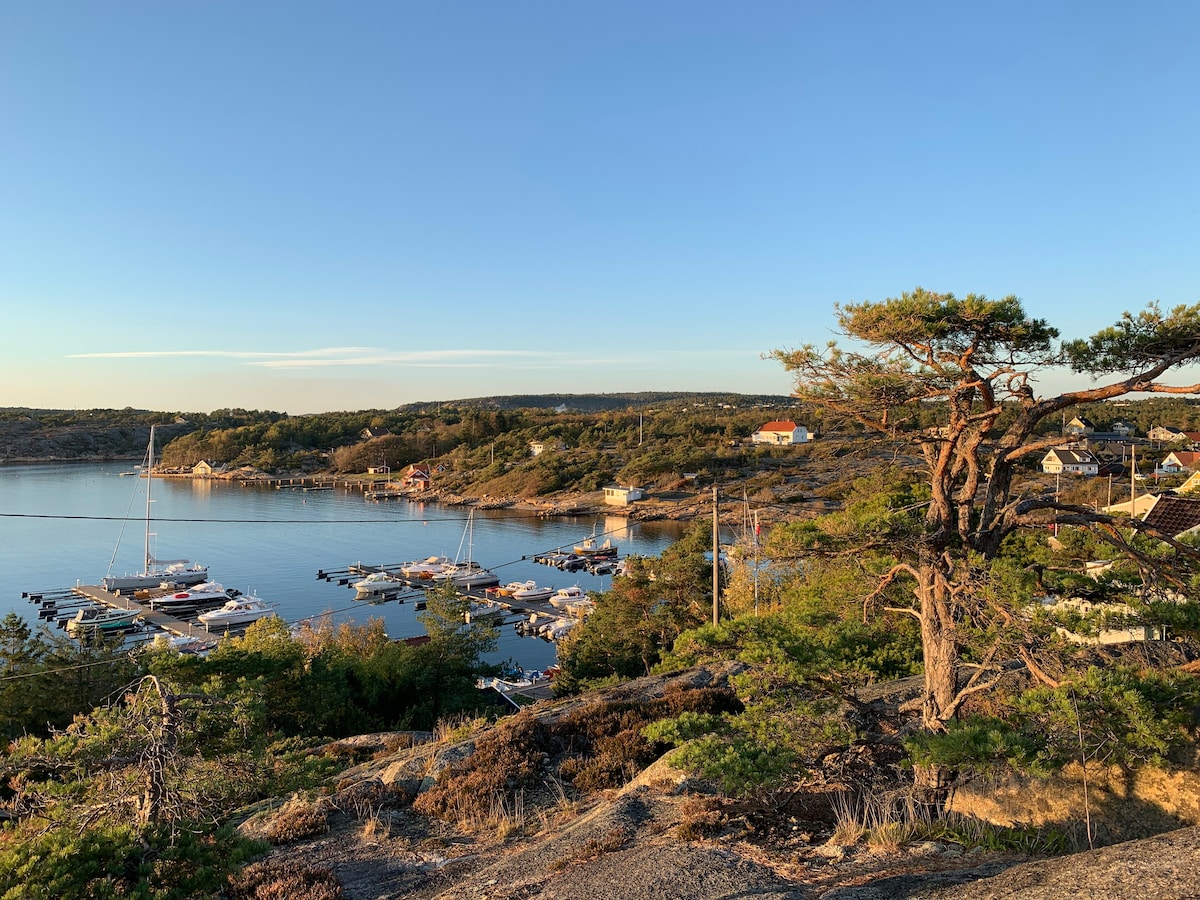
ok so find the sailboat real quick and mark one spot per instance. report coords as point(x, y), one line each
point(156, 571)
point(468, 574)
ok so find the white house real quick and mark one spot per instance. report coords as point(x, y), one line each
point(1180, 461)
point(205, 468)
point(1069, 461)
point(615, 495)
point(1166, 434)
point(781, 433)
point(1079, 425)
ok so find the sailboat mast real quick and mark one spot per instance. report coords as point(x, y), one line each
point(149, 481)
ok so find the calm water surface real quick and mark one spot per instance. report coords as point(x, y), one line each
point(62, 524)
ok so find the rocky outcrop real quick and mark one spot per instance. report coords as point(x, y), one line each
point(666, 833)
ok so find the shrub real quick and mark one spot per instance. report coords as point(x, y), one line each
point(295, 820)
point(284, 880)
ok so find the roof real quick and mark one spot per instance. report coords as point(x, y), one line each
point(1173, 515)
point(1187, 458)
point(779, 426)
point(1081, 420)
point(1070, 457)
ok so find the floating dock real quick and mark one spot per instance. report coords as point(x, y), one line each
point(70, 600)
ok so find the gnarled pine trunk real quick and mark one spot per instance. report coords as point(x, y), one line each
point(939, 642)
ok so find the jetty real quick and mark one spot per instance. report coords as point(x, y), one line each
point(416, 587)
point(60, 604)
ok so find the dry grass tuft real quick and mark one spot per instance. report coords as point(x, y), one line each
point(884, 822)
point(700, 817)
point(375, 828)
point(609, 842)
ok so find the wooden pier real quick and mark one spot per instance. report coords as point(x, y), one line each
point(416, 586)
point(151, 616)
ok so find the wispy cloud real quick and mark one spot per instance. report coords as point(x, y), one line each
point(228, 354)
point(471, 358)
point(413, 358)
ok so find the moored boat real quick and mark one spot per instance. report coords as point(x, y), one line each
point(532, 593)
point(239, 611)
point(92, 618)
point(426, 568)
point(484, 609)
point(155, 571)
point(567, 596)
point(379, 583)
point(468, 574)
point(589, 547)
point(512, 587)
point(208, 594)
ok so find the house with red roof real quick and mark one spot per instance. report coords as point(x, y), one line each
point(1180, 461)
point(417, 477)
point(784, 432)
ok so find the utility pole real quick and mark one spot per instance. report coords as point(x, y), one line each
point(716, 557)
point(756, 562)
point(1057, 476)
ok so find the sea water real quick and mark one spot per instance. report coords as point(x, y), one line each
point(63, 524)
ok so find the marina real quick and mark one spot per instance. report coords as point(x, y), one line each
point(61, 520)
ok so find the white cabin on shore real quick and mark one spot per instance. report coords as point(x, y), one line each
point(783, 433)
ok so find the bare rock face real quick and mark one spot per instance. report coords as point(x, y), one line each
point(1159, 868)
point(660, 833)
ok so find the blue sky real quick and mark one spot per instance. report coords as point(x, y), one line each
point(315, 206)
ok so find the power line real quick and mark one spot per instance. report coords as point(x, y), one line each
point(421, 521)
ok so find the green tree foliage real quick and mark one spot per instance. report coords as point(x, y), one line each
point(1117, 716)
point(46, 679)
point(975, 359)
point(640, 617)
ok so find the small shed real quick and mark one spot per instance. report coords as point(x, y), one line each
point(615, 495)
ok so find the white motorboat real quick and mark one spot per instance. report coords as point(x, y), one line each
point(208, 594)
point(511, 588)
point(559, 631)
point(426, 568)
point(239, 611)
point(568, 596)
point(484, 609)
point(155, 571)
point(532, 593)
point(555, 628)
point(379, 583)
